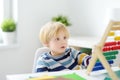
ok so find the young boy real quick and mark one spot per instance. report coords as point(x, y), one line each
point(54, 35)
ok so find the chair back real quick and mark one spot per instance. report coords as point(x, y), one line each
point(38, 52)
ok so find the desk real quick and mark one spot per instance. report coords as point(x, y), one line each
point(99, 75)
point(83, 41)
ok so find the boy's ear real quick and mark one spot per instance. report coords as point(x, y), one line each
point(45, 44)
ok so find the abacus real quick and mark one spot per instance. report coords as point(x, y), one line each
point(106, 50)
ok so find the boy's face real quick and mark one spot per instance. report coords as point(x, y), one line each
point(58, 44)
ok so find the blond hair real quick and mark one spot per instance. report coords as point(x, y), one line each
point(50, 30)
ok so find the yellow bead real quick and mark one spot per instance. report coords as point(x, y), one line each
point(117, 38)
point(111, 33)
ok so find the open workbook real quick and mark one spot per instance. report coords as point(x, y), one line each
point(72, 76)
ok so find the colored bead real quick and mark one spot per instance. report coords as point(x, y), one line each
point(117, 38)
point(111, 33)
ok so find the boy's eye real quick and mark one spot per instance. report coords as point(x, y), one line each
point(65, 37)
point(57, 39)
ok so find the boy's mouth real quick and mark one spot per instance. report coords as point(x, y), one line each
point(63, 47)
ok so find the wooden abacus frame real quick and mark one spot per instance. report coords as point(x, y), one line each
point(98, 53)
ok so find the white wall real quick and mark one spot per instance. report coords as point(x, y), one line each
point(32, 14)
point(87, 17)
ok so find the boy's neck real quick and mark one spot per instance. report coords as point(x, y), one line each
point(55, 54)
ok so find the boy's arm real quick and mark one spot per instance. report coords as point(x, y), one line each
point(41, 66)
point(83, 59)
point(41, 69)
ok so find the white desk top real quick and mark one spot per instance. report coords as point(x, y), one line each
point(94, 75)
point(85, 42)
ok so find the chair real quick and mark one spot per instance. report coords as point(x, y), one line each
point(38, 52)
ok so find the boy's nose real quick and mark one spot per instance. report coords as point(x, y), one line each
point(63, 41)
